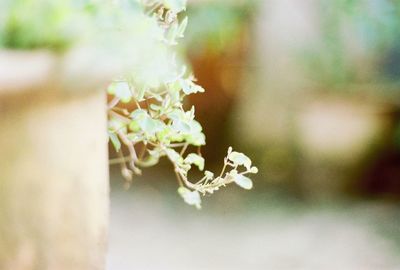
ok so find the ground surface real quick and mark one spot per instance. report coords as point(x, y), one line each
point(152, 230)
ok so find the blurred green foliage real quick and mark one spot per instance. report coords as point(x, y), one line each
point(372, 25)
point(30, 24)
point(59, 25)
point(215, 25)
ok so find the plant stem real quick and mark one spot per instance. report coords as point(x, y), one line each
point(185, 146)
point(178, 177)
point(121, 117)
point(119, 160)
point(113, 103)
point(132, 152)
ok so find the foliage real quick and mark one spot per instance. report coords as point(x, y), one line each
point(144, 34)
point(26, 24)
point(371, 25)
point(216, 25)
point(159, 126)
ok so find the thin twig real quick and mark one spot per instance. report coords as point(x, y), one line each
point(132, 152)
point(176, 144)
point(121, 117)
point(119, 160)
point(142, 152)
point(178, 177)
point(126, 173)
point(185, 146)
point(122, 110)
point(113, 103)
point(223, 168)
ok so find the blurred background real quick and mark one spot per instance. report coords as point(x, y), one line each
point(310, 91)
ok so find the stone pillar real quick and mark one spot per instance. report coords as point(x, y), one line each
point(54, 190)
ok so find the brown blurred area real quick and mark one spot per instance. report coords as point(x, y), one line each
point(220, 72)
point(299, 87)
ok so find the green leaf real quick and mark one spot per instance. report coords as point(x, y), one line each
point(139, 114)
point(146, 123)
point(242, 181)
point(181, 126)
point(196, 160)
point(115, 141)
point(240, 159)
point(174, 156)
point(254, 169)
point(209, 175)
point(188, 87)
point(195, 126)
point(122, 91)
point(176, 114)
point(151, 126)
point(196, 139)
point(190, 197)
point(111, 89)
point(134, 126)
point(197, 89)
point(174, 86)
point(115, 124)
point(134, 137)
point(155, 107)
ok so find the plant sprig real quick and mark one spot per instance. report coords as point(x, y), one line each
point(158, 126)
